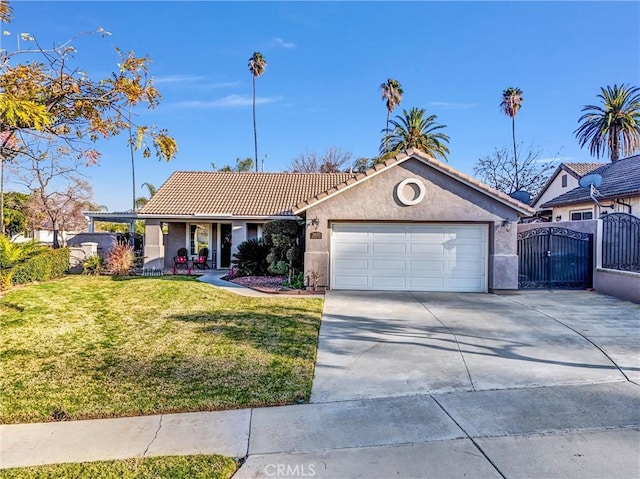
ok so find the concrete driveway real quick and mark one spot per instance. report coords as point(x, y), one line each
point(384, 344)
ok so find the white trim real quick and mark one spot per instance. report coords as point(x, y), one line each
point(400, 191)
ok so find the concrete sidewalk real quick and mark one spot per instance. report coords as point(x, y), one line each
point(568, 431)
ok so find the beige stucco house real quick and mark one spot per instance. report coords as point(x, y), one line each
point(619, 191)
point(564, 179)
point(411, 223)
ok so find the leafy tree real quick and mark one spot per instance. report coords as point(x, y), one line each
point(15, 212)
point(257, 66)
point(413, 130)
point(510, 105)
point(392, 93)
point(501, 172)
point(362, 164)
point(241, 165)
point(45, 96)
point(613, 126)
point(333, 160)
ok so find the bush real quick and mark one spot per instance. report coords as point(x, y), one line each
point(251, 258)
point(120, 259)
point(92, 265)
point(297, 282)
point(45, 266)
point(285, 252)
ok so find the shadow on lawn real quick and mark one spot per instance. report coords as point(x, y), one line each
point(180, 277)
point(294, 333)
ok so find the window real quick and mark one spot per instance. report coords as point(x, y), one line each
point(581, 215)
point(198, 238)
point(564, 181)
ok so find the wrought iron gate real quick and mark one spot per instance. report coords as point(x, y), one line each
point(555, 258)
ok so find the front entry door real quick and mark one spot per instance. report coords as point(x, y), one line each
point(225, 245)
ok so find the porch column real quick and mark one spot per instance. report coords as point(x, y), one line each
point(153, 245)
point(238, 235)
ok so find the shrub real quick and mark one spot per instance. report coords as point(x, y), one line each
point(285, 253)
point(92, 265)
point(120, 259)
point(297, 282)
point(251, 258)
point(47, 265)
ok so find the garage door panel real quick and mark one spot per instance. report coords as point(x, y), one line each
point(420, 257)
point(426, 265)
point(351, 282)
point(357, 265)
point(389, 248)
point(427, 284)
point(388, 264)
point(388, 282)
point(426, 248)
point(348, 248)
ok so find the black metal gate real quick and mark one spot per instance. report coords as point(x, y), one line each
point(555, 258)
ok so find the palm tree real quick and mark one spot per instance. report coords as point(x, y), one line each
point(257, 65)
point(392, 93)
point(143, 200)
point(510, 105)
point(413, 130)
point(614, 126)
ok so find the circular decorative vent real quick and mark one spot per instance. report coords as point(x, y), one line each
point(410, 191)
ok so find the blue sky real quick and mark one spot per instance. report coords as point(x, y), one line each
point(326, 61)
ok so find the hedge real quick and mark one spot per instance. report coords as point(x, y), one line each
point(45, 266)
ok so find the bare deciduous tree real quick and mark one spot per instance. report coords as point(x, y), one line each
point(58, 191)
point(502, 172)
point(333, 160)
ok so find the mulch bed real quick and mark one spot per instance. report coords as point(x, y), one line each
point(268, 284)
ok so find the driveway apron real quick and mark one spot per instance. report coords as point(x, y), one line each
point(381, 344)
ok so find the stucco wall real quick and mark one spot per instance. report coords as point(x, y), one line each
point(565, 211)
point(621, 284)
point(175, 239)
point(556, 189)
point(446, 200)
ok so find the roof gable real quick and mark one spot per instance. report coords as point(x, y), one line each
point(577, 170)
point(423, 157)
point(619, 179)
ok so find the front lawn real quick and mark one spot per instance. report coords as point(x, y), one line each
point(170, 467)
point(90, 347)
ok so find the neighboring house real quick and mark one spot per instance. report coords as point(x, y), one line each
point(411, 223)
point(565, 178)
point(44, 236)
point(619, 192)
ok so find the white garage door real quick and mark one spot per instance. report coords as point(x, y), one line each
point(410, 257)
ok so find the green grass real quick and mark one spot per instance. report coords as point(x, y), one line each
point(174, 467)
point(93, 347)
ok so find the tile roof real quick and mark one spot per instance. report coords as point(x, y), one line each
point(581, 169)
point(438, 165)
point(619, 179)
point(210, 193)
